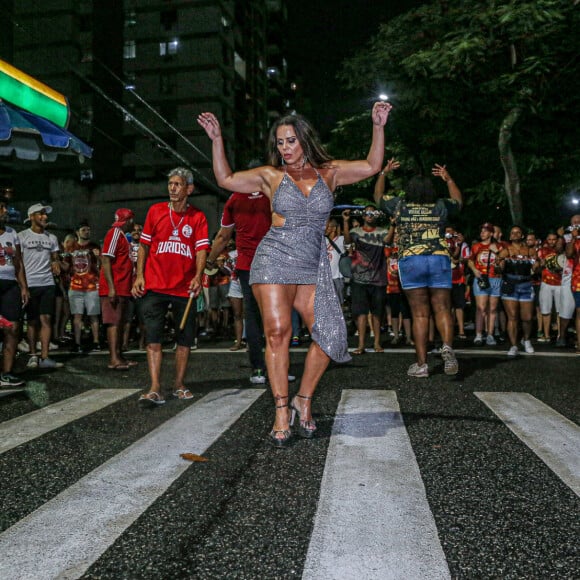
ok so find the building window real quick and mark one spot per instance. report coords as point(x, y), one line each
point(130, 84)
point(168, 48)
point(129, 49)
point(130, 19)
point(168, 19)
point(166, 84)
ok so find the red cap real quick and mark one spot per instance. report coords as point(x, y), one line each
point(122, 216)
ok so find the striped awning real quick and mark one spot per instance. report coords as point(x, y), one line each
point(30, 137)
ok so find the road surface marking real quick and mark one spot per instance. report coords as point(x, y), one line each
point(32, 425)
point(65, 536)
point(552, 437)
point(373, 518)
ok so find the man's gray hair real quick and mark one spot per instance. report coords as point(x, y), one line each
point(182, 172)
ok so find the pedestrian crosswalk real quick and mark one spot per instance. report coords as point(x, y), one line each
point(373, 515)
point(552, 437)
point(373, 518)
point(28, 427)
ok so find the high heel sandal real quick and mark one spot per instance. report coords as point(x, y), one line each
point(283, 441)
point(305, 429)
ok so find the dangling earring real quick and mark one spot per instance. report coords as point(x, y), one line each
point(282, 160)
point(304, 161)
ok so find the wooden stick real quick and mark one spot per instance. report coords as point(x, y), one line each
point(186, 313)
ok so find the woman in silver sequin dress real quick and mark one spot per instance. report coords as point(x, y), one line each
point(291, 268)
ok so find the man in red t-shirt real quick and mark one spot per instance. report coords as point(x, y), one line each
point(83, 294)
point(572, 239)
point(551, 283)
point(251, 216)
point(170, 263)
point(115, 284)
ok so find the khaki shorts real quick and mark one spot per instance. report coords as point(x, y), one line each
point(81, 302)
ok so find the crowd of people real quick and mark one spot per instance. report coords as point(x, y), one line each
point(283, 265)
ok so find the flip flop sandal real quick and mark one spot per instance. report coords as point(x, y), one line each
point(151, 399)
point(130, 363)
point(358, 351)
point(119, 367)
point(183, 394)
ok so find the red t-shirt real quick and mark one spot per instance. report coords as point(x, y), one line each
point(458, 270)
point(480, 256)
point(393, 281)
point(117, 248)
point(170, 265)
point(84, 267)
point(576, 271)
point(251, 215)
point(549, 277)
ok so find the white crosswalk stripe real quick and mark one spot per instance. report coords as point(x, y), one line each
point(552, 437)
point(71, 531)
point(373, 519)
point(22, 429)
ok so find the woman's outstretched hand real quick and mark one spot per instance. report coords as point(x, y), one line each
point(209, 122)
point(380, 113)
point(441, 171)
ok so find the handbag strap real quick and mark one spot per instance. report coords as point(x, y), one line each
point(336, 247)
point(488, 260)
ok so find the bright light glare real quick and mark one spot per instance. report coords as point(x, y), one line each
point(383, 97)
point(575, 201)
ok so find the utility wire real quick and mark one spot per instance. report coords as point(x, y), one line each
point(150, 133)
point(152, 109)
point(128, 115)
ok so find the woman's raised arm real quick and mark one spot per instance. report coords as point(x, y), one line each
point(353, 171)
point(257, 179)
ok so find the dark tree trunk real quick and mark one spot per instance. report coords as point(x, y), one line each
point(511, 179)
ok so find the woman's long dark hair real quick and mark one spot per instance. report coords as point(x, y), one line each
point(420, 189)
point(307, 136)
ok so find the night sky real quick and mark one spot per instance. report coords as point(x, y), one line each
point(321, 35)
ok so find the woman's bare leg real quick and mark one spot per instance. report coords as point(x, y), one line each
point(275, 303)
point(441, 305)
point(421, 310)
point(316, 359)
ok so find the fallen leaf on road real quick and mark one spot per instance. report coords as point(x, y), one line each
point(192, 457)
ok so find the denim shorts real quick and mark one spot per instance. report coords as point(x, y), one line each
point(425, 272)
point(522, 292)
point(577, 299)
point(494, 289)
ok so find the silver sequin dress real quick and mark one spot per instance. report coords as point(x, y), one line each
point(295, 253)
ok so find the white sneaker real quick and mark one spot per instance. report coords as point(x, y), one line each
point(32, 362)
point(528, 346)
point(513, 351)
point(23, 346)
point(51, 346)
point(49, 363)
point(490, 340)
point(451, 367)
point(418, 371)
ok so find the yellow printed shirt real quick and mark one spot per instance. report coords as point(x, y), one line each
point(420, 226)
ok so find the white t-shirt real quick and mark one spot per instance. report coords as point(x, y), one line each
point(8, 242)
point(36, 256)
point(334, 256)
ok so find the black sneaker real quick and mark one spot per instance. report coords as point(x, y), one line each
point(8, 380)
point(96, 347)
point(77, 349)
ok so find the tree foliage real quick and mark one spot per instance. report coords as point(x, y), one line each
point(474, 83)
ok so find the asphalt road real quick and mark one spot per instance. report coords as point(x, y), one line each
point(472, 477)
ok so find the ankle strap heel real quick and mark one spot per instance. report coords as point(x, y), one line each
point(284, 440)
